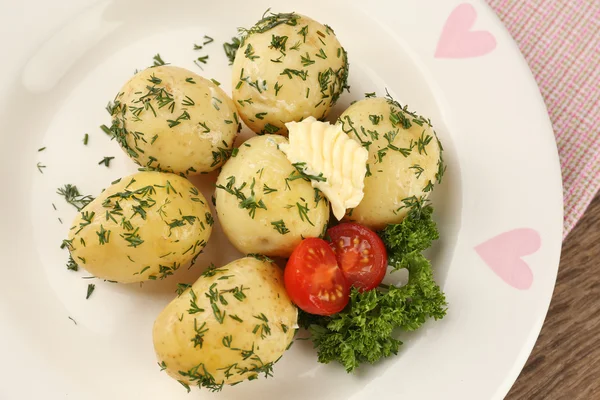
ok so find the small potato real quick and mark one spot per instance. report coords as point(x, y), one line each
point(173, 120)
point(405, 160)
point(143, 227)
point(288, 67)
point(263, 204)
point(232, 324)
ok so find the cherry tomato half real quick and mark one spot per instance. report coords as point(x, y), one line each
point(360, 254)
point(313, 279)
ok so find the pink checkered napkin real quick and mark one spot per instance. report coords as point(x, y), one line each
point(561, 41)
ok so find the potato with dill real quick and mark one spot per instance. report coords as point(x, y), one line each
point(173, 120)
point(265, 205)
point(145, 226)
point(288, 67)
point(231, 325)
point(405, 160)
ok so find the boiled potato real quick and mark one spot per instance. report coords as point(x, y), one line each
point(288, 67)
point(232, 324)
point(263, 204)
point(144, 226)
point(172, 120)
point(405, 160)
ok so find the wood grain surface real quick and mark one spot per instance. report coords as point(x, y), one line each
point(565, 363)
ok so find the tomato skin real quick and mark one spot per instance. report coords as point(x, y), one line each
point(313, 279)
point(360, 253)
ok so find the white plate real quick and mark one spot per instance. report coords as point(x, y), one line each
point(501, 200)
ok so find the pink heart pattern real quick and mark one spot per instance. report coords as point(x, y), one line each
point(459, 41)
point(503, 254)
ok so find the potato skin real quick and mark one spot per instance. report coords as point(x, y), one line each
point(396, 180)
point(144, 236)
point(301, 77)
point(174, 120)
point(262, 168)
point(258, 326)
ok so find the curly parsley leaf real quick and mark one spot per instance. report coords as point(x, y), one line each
point(414, 234)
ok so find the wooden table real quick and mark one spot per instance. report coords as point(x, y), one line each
point(565, 363)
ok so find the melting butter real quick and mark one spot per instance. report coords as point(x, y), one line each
point(335, 163)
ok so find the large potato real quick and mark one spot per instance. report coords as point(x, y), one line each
point(263, 204)
point(287, 68)
point(232, 324)
point(405, 160)
point(173, 120)
point(144, 227)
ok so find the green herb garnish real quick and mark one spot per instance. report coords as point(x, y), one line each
point(194, 309)
point(106, 161)
point(90, 290)
point(280, 227)
point(249, 53)
point(303, 212)
point(71, 264)
point(158, 61)
point(231, 48)
point(198, 338)
point(268, 128)
point(73, 197)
